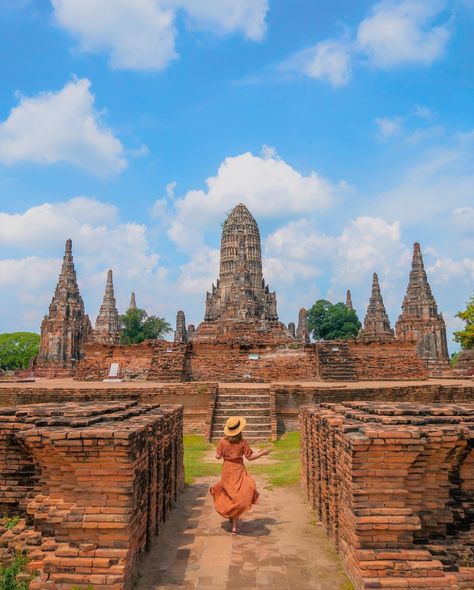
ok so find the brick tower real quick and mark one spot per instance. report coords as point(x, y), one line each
point(376, 326)
point(420, 320)
point(67, 326)
point(181, 333)
point(107, 329)
point(240, 302)
point(349, 300)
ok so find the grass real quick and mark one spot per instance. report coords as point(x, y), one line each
point(283, 471)
point(13, 574)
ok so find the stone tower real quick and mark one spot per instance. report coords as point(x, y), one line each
point(107, 329)
point(133, 301)
point(302, 332)
point(420, 320)
point(240, 293)
point(376, 326)
point(66, 327)
point(181, 334)
point(349, 300)
point(292, 329)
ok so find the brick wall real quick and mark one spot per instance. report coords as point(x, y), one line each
point(393, 485)
point(101, 478)
point(392, 360)
point(193, 396)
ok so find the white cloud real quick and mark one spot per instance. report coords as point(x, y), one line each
point(444, 270)
point(266, 184)
point(329, 61)
point(299, 240)
point(61, 126)
point(402, 32)
point(138, 34)
point(389, 126)
point(463, 219)
point(197, 275)
point(227, 16)
point(396, 33)
point(141, 34)
point(32, 272)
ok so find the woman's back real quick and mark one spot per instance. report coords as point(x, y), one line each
point(231, 451)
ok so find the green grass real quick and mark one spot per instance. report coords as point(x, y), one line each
point(13, 574)
point(285, 452)
point(195, 450)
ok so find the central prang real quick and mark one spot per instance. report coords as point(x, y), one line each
point(240, 303)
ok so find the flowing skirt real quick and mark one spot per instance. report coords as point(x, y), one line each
point(236, 492)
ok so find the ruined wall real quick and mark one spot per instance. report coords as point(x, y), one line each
point(152, 360)
point(391, 360)
point(393, 485)
point(193, 396)
point(106, 474)
point(233, 362)
point(290, 397)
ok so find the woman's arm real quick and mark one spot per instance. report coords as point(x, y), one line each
point(257, 454)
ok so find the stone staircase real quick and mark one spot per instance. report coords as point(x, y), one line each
point(335, 361)
point(254, 403)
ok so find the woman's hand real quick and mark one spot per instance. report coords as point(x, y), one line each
point(266, 452)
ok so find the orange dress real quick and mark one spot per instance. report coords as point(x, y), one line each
point(236, 492)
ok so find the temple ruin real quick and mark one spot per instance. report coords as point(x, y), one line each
point(107, 329)
point(420, 320)
point(376, 327)
point(67, 326)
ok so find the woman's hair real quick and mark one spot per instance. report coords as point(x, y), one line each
point(234, 439)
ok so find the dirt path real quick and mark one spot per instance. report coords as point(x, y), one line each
point(279, 547)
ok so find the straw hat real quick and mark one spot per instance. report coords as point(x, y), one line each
point(234, 425)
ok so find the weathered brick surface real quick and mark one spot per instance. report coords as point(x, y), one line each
point(393, 484)
point(391, 360)
point(94, 481)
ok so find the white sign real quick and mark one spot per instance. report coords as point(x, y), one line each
point(254, 357)
point(114, 370)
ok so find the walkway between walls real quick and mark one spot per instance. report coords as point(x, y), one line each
point(280, 546)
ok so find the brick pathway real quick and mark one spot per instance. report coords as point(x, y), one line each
point(279, 547)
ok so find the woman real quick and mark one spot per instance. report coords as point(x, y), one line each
point(236, 492)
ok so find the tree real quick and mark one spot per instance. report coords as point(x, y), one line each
point(138, 326)
point(466, 337)
point(17, 349)
point(329, 321)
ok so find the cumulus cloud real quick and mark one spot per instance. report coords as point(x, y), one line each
point(389, 126)
point(266, 184)
point(61, 126)
point(394, 34)
point(444, 270)
point(141, 34)
point(402, 32)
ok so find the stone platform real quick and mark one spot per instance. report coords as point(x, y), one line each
point(393, 484)
point(92, 483)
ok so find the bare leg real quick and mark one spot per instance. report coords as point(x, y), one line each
point(235, 525)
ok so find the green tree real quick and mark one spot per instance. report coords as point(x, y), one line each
point(332, 321)
point(138, 326)
point(466, 337)
point(17, 349)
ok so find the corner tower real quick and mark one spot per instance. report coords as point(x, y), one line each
point(67, 326)
point(420, 320)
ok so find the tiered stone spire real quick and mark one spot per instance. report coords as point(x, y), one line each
point(107, 330)
point(66, 327)
point(133, 302)
point(376, 323)
point(420, 320)
point(181, 334)
point(302, 332)
point(241, 292)
point(349, 300)
point(292, 329)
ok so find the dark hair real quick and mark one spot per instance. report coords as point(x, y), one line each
point(234, 439)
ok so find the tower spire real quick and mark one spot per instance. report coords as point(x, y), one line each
point(107, 323)
point(349, 300)
point(66, 326)
point(420, 320)
point(133, 302)
point(376, 323)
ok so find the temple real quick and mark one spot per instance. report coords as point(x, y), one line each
point(66, 327)
point(181, 333)
point(420, 320)
point(349, 300)
point(107, 329)
point(240, 303)
point(376, 326)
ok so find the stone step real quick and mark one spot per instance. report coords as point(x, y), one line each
point(241, 398)
point(262, 425)
point(247, 403)
point(223, 415)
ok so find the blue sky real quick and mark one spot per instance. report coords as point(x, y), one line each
point(133, 126)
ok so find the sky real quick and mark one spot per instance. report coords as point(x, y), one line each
point(134, 126)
